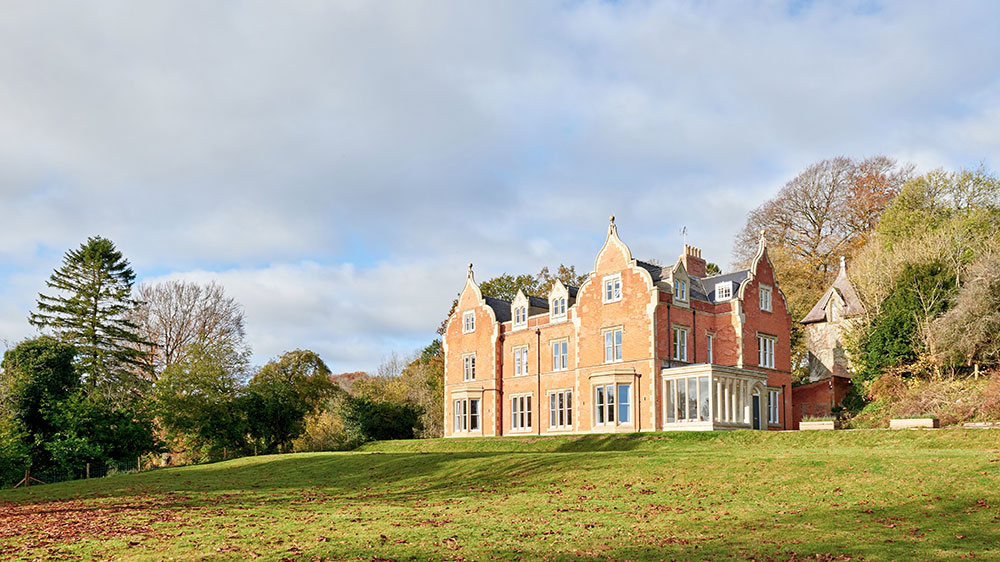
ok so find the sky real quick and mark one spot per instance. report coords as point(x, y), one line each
point(337, 165)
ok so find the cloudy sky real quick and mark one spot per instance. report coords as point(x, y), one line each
point(336, 165)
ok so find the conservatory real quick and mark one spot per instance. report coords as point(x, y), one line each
point(706, 397)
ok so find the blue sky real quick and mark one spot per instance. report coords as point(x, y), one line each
point(337, 165)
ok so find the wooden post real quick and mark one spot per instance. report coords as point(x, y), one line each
point(88, 471)
point(138, 464)
point(27, 479)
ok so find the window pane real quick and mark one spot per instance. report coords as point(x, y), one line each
point(569, 408)
point(681, 399)
point(692, 396)
point(527, 408)
point(618, 345)
point(624, 404)
point(608, 346)
point(609, 395)
point(703, 383)
point(473, 415)
point(600, 404)
point(670, 402)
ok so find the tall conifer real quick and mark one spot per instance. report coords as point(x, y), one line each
point(91, 310)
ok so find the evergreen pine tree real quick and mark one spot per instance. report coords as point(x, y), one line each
point(91, 311)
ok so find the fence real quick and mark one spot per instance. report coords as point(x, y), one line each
point(87, 470)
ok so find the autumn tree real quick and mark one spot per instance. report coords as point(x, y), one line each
point(969, 333)
point(827, 211)
point(281, 396)
point(173, 315)
point(91, 308)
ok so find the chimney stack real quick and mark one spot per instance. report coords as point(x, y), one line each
point(693, 262)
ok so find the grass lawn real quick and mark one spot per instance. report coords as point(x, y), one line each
point(848, 495)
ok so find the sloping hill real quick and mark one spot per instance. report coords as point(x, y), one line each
point(880, 495)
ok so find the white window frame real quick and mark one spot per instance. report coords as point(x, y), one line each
point(468, 415)
point(680, 290)
point(558, 306)
point(613, 341)
point(561, 409)
point(607, 408)
point(468, 321)
point(612, 288)
point(679, 343)
point(766, 298)
point(560, 354)
point(520, 316)
point(469, 367)
point(723, 291)
point(520, 360)
point(520, 412)
point(765, 350)
point(698, 392)
point(710, 347)
point(773, 406)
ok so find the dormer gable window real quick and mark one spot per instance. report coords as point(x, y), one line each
point(680, 290)
point(613, 288)
point(520, 316)
point(469, 321)
point(723, 291)
point(558, 306)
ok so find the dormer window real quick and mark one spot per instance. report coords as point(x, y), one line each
point(469, 321)
point(520, 316)
point(765, 298)
point(558, 307)
point(680, 290)
point(613, 288)
point(723, 291)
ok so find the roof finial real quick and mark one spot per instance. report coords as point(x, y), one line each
point(843, 263)
point(612, 219)
point(763, 238)
point(470, 269)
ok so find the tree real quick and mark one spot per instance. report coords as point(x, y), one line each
point(91, 310)
point(282, 394)
point(36, 374)
point(90, 430)
point(366, 419)
point(173, 315)
point(970, 332)
point(199, 399)
point(899, 333)
point(827, 211)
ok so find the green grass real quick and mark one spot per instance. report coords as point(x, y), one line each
point(876, 495)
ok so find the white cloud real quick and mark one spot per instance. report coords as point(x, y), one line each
point(254, 140)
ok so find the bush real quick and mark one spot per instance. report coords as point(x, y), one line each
point(367, 420)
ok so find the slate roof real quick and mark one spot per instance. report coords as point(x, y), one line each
point(734, 279)
point(843, 288)
point(501, 308)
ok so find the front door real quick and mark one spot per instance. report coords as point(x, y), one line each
point(756, 411)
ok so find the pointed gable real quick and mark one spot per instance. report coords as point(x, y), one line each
point(841, 294)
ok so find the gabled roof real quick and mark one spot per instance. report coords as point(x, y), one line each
point(843, 289)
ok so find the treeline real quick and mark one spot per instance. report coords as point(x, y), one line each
point(163, 372)
point(924, 255)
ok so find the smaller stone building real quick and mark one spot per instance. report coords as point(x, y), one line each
point(829, 366)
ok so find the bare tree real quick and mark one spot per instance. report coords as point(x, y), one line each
point(175, 314)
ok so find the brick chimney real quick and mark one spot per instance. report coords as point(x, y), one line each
point(693, 263)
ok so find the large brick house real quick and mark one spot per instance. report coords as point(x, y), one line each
point(637, 347)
